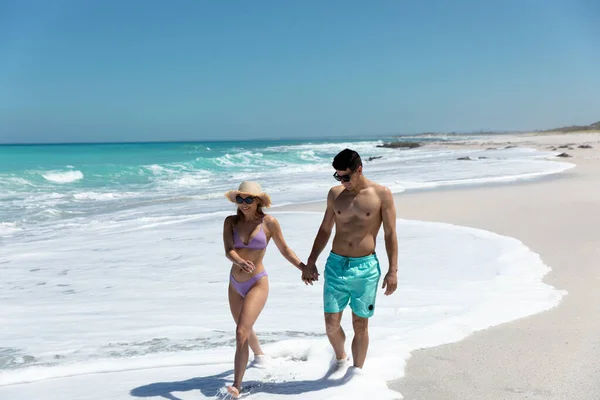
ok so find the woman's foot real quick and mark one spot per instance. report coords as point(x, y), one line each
point(341, 364)
point(233, 392)
point(260, 360)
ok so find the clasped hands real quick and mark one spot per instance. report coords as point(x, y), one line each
point(309, 273)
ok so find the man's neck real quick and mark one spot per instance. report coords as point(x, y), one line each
point(360, 185)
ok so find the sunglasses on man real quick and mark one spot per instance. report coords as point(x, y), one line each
point(342, 178)
point(247, 200)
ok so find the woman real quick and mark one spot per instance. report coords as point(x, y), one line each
point(245, 236)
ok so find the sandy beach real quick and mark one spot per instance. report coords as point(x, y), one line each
point(550, 355)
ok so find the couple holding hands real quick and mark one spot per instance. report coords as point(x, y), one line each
point(358, 207)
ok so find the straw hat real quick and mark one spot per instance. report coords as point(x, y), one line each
point(251, 189)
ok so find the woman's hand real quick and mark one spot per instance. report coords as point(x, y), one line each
point(247, 266)
point(301, 266)
point(310, 273)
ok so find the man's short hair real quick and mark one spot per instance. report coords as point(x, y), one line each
point(347, 159)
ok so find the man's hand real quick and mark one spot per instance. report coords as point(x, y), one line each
point(310, 273)
point(247, 266)
point(390, 282)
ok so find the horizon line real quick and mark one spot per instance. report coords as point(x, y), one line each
point(365, 136)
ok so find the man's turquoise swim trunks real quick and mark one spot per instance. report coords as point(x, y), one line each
point(353, 279)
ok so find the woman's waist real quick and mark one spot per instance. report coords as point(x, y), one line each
point(254, 255)
point(241, 275)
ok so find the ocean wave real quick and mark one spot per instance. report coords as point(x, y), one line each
point(190, 181)
point(63, 176)
point(309, 155)
point(176, 169)
point(38, 373)
point(247, 159)
point(229, 160)
point(293, 173)
point(53, 212)
point(14, 181)
point(8, 228)
point(101, 196)
point(331, 148)
point(156, 168)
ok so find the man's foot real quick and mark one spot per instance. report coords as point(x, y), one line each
point(338, 368)
point(354, 370)
point(233, 392)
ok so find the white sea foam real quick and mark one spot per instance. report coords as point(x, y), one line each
point(14, 181)
point(63, 176)
point(362, 147)
point(95, 196)
point(112, 311)
point(156, 168)
point(98, 196)
point(8, 228)
point(290, 173)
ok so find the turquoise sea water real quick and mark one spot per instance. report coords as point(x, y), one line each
point(83, 183)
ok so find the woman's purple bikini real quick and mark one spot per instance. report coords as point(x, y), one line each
point(258, 242)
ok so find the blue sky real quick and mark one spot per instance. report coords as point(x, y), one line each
point(137, 70)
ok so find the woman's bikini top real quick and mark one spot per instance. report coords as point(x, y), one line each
point(258, 242)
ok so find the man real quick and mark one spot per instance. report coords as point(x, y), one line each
point(357, 208)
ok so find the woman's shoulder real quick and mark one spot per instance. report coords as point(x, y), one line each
point(231, 219)
point(268, 218)
point(270, 221)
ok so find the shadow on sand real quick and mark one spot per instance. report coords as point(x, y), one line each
point(210, 386)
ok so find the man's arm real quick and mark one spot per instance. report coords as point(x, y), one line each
point(388, 215)
point(320, 240)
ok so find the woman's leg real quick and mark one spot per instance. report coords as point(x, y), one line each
point(235, 305)
point(253, 304)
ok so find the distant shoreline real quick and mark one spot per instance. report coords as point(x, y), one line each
point(595, 127)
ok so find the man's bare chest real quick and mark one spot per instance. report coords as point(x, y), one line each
point(363, 207)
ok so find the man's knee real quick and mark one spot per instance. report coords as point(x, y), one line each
point(332, 323)
point(360, 325)
point(242, 333)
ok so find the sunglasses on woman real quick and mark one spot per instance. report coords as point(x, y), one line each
point(342, 178)
point(247, 200)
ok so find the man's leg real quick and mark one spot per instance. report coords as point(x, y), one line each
point(335, 299)
point(336, 334)
point(360, 343)
point(364, 294)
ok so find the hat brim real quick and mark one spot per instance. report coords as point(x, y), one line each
point(264, 198)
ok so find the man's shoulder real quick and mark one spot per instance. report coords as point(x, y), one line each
point(335, 191)
point(380, 190)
